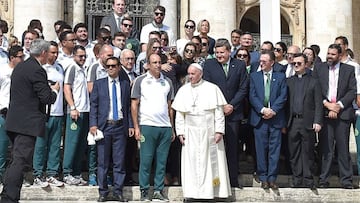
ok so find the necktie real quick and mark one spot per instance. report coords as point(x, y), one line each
point(119, 23)
point(267, 90)
point(333, 89)
point(114, 102)
point(225, 68)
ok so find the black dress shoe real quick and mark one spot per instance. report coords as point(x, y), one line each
point(102, 199)
point(324, 185)
point(265, 185)
point(273, 185)
point(348, 186)
point(312, 187)
point(119, 198)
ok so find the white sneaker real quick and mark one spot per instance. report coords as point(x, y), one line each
point(82, 182)
point(54, 182)
point(70, 180)
point(38, 182)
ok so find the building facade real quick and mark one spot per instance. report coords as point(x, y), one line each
point(297, 22)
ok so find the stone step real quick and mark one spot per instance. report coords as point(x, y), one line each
point(250, 193)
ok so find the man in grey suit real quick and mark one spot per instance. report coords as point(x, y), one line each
point(338, 89)
point(29, 95)
point(114, 19)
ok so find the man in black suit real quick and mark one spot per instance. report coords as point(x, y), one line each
point(230, 75)
point(304, 115)
point(114, 19)
point(338, 89)
point(29, 95)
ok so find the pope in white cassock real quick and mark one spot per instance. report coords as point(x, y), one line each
point(200, 126)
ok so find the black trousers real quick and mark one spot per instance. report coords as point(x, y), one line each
point(231, 139)
point(335, 132)
point(22, 157)
point(301, 148)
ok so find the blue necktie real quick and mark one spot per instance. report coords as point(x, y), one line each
point(114, 101)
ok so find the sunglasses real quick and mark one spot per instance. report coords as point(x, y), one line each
point(189, 51)
point(111, 66)
point(189, 26)
point(106, 38)
point(242, 55)
point(204, 44)
point(277, 49)
point(159, 14)
point(155, 48)
point(296, 63)
point(127, 25)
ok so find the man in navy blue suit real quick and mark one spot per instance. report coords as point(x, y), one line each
point(110, 113)
point(230, 76)
point(267, 97)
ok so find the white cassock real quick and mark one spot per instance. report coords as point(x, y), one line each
point(204, 171)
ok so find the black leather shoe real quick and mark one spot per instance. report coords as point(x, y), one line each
point(324, 185)
point(119, 198)
point(265, 185)
point(102, 199)
point(348, 186)
point(312, 187)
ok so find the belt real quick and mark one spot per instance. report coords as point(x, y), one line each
point(297, 116)
point(113, 122)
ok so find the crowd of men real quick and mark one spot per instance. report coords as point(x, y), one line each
point(114, 95)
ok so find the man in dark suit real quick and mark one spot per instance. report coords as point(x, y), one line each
point(338, 89)
point(304, 117)
point(26, 118)
point(230, 75)
point(267, 97)
point(114, 19)
point(110, 113)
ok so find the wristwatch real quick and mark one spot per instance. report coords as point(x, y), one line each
point(72, 108)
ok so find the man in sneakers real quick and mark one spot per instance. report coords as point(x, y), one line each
point(48, 147)
point(152, 115)
point(77, 120)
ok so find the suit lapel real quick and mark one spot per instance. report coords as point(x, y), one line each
point(340, 82)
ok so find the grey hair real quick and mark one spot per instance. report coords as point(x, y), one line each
point(38, 46)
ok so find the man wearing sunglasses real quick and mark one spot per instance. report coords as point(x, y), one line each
point(156, 25)
point(115, 18)
point(305, 116)
point(132, 43)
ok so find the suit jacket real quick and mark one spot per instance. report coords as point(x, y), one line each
point(111, 21)
point(277, 67)
point(234, 86)
point(312, 101)
point(100, 104)
point(278, 96)
point(29, 95)
point(346, 91)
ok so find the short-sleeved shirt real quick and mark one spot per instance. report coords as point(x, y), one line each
point(154, 95)
point(64, 59)
point(76, 77)
point(55, 73)
point(96, 71)
point(144, 36)
point(5, 81)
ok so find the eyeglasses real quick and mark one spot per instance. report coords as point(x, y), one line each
point(129, 59)
point(127, 25)
point(155, 48)
point(189, 26)
point(189, 51)
point(81, 56)
point(296, 63)
point(106, 38)
point(242, 55)
point(111, 65)
point(277, 49)
point(204, 44)
point(159, 14)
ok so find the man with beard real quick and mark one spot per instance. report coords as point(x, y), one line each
point(81, 34)
point(338, 88)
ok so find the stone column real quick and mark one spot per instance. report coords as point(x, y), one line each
point(325, 24)
point(46, 11)
point(270, 21)
point(78, 11)
point(171, 14)
point(220, 14)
